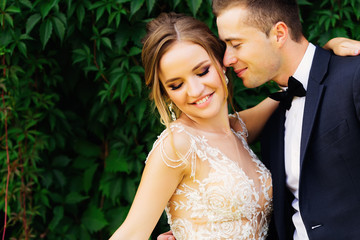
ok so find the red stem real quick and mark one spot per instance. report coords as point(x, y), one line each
point(8, 166)
point(96, 64)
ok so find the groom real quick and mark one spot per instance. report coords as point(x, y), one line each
point(312, 143)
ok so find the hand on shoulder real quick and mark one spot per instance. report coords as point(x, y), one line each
point(343, 46)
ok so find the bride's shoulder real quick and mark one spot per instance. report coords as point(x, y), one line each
point(237, 124)
point(172, 146)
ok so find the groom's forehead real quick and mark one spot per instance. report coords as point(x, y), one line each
point(234, 30)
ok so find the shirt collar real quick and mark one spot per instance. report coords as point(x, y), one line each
point(303, 70)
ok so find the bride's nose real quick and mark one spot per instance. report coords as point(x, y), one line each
point(195, 87)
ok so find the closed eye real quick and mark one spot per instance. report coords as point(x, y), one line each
point(204, 72)
point(174, 87)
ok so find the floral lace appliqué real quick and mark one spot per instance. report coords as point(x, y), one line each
point(222, 202)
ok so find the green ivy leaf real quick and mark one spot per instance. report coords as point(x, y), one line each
point(150, 5)
point(93, 219)
point(304, 2)
point(58, 215)
point(123, 89)
point(134, 51)
point(22, 48)
point(140, 110)
point(106, 41)
point(45, 32)
point(88, 177)
point(3, 4)
point(45, 7)
point(59, 28)
point(129, 190)
point(99, 12)
point(61, 179)
point(32, 21)
point(26, 3)
point(61, 161)
point(80, 13)
point(9, 20)
point(13, 9)
point(175, 3)
point(135, 6)
point(116, 162)
point(194, 5)
point(137, 82)
point(75, 197)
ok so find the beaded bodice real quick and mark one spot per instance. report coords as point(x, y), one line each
point(217, 199)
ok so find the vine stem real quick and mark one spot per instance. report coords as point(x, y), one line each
point(23, 193)
point(6, 147)
point(96, 64)
point(8, 167)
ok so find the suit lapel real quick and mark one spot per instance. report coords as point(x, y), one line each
point(314, 94)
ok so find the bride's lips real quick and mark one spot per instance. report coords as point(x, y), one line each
point(201, 102)
point(240, 72)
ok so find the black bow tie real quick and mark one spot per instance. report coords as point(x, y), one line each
point(295, 88)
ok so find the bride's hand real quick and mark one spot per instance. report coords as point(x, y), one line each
point(166, 236)
point(343, 46)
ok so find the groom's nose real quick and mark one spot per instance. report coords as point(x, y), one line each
point(229, 58)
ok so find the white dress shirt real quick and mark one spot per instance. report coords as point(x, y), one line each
point(293, 122)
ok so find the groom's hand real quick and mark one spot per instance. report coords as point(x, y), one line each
point(166, 236)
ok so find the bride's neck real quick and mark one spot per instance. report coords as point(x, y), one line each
point(218, 125)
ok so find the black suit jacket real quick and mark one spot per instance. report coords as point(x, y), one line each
point(329, 187)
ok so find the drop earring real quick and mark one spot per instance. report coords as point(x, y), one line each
point(226, 78)
point(173, 116)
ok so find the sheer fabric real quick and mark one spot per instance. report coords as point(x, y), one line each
point(227, 193)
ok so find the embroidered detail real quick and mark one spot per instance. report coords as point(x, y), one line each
point(218, 200)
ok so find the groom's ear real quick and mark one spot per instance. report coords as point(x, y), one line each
point(279, 33)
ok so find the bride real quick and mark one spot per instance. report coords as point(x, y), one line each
point(200, 170)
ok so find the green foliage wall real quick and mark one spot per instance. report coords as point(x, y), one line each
point(76, 125)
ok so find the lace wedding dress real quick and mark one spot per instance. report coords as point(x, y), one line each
point(228, 192)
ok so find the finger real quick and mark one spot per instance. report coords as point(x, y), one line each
point(165, 237)
point(347, 50)
point(351, 51)
point(352, 47)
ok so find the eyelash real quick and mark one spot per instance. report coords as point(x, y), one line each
point(206, 71)
point(176, 87)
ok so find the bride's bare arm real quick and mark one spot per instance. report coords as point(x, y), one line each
point(255, 118)
point(157, 185)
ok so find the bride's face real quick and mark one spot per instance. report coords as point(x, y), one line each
point(191, 80)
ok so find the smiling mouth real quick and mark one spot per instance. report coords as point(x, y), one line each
point(240, 71)
point(203, 99)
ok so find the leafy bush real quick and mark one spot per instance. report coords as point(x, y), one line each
point(76, 124)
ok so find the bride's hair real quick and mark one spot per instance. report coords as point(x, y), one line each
point(162, 33)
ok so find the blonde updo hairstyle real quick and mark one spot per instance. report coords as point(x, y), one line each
point(162, 33)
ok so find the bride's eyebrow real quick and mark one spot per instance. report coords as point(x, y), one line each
point(171, 80)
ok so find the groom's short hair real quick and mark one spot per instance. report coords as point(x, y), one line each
point(264, 14)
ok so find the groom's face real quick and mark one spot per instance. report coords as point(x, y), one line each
point(252, 54)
